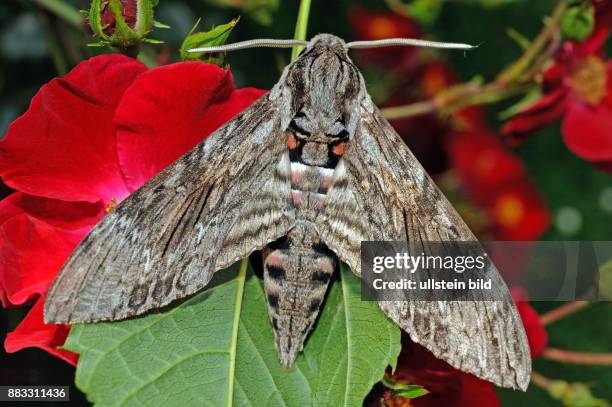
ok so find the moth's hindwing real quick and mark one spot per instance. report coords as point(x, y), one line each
point(167, 239)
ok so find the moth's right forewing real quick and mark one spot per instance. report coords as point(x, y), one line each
point(228, 196)
point(381, 192)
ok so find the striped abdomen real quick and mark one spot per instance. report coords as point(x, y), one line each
point(298, 267)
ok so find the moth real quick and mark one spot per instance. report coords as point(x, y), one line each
point(305, 174)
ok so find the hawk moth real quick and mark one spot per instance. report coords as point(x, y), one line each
point(305, 174)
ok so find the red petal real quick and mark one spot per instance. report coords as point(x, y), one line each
point(587, 130)
point(37, 236)
point(33, 332)
point(536, 116)
point(64, 147)
point(168, 110)
point(536, 334)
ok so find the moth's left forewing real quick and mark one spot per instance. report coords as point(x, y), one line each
point(380, 180)
point(225, 198)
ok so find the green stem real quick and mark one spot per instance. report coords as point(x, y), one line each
point(64, 11)
point(453, 99)
point(244, 263)
point(515, 70)
point(301, 27)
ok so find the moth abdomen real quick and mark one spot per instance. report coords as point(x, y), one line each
point(295, 282)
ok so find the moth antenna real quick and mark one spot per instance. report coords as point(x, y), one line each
point(270, 43)
point(393, 42)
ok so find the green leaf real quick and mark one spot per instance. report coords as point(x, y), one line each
point(98, 44)
point(351, 346)
point(578, 22)
point(413, 392)
point(216, 36)
point(529, 98)
point(217, 348)
point(158, 24)
point(519, 38)
point(425, 11)
point(407, 391)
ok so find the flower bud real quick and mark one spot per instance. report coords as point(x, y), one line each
point(121, 23)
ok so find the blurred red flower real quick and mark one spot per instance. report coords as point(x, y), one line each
point(369, 25)
point(497, 182)
point(87, 141)
point(578, 90)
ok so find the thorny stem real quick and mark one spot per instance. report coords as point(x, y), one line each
point(562, 312)
point(580, 358)
point(516, 69)
point(301, 27)
point(455, 98)
point(510, 82)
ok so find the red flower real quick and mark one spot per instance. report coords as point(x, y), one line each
point(517, 212)
point(536, 334)
point(87, 141)
point(497, 182)
point(578, 89)
point(447, 386)
point(377, 25)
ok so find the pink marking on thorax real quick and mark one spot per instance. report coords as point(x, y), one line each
point(296, 176)
point(275, 260)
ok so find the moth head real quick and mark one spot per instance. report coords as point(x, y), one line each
point(323, 87)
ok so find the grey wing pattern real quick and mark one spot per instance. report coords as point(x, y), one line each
point(381, 181)
point(167, 239)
